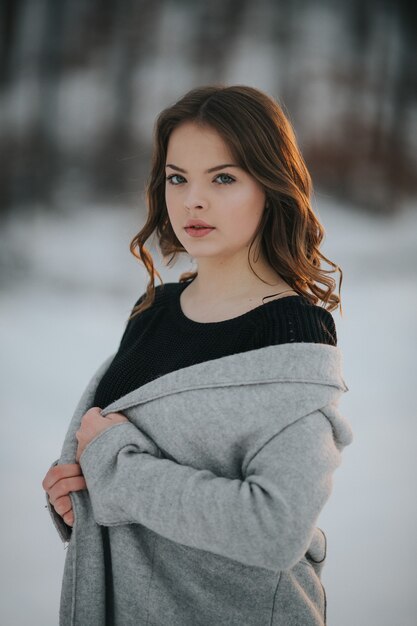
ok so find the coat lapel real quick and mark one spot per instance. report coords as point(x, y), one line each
point(313, 363)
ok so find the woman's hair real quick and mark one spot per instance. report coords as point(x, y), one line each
point(263, 143)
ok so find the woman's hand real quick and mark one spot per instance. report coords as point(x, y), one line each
point(58, 482)
point(92, 424)
point(63, 478)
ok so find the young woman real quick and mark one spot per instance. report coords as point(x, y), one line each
point(202, 452)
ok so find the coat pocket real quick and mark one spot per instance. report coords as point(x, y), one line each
point(317, 551)
point(300, 597)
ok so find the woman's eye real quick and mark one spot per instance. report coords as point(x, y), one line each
point(169, 178)
point(227, 182)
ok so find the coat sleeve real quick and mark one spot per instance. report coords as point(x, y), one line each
point(267, 519)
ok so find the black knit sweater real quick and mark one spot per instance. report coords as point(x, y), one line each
point(162, 339)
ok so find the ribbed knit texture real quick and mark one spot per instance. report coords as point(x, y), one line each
point(162, 339)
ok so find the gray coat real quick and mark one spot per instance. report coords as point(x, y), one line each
point(210, 494)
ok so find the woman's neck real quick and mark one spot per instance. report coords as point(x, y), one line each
point(225, 285)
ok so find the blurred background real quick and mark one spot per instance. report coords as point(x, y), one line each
point(81, 83)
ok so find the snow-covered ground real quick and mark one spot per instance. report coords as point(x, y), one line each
point(68, 284)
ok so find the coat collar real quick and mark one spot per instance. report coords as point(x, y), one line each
point(312, 363)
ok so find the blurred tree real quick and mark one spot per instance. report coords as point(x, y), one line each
point(77, 75)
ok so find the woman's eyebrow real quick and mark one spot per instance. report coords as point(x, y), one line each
point(212, 169)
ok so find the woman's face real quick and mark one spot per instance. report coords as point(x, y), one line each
point(227, 197)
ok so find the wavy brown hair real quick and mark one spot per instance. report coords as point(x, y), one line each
point(262, 140)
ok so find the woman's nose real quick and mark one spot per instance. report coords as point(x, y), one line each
point(196, 197)
point(195, 203)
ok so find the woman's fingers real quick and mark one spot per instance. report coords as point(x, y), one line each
point(60, 471)
point(64, 486)
point(69, 518)
point(63, 505)
point(59, 481)
point(92, 424)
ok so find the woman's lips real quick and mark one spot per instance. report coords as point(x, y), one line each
point(198, 232)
